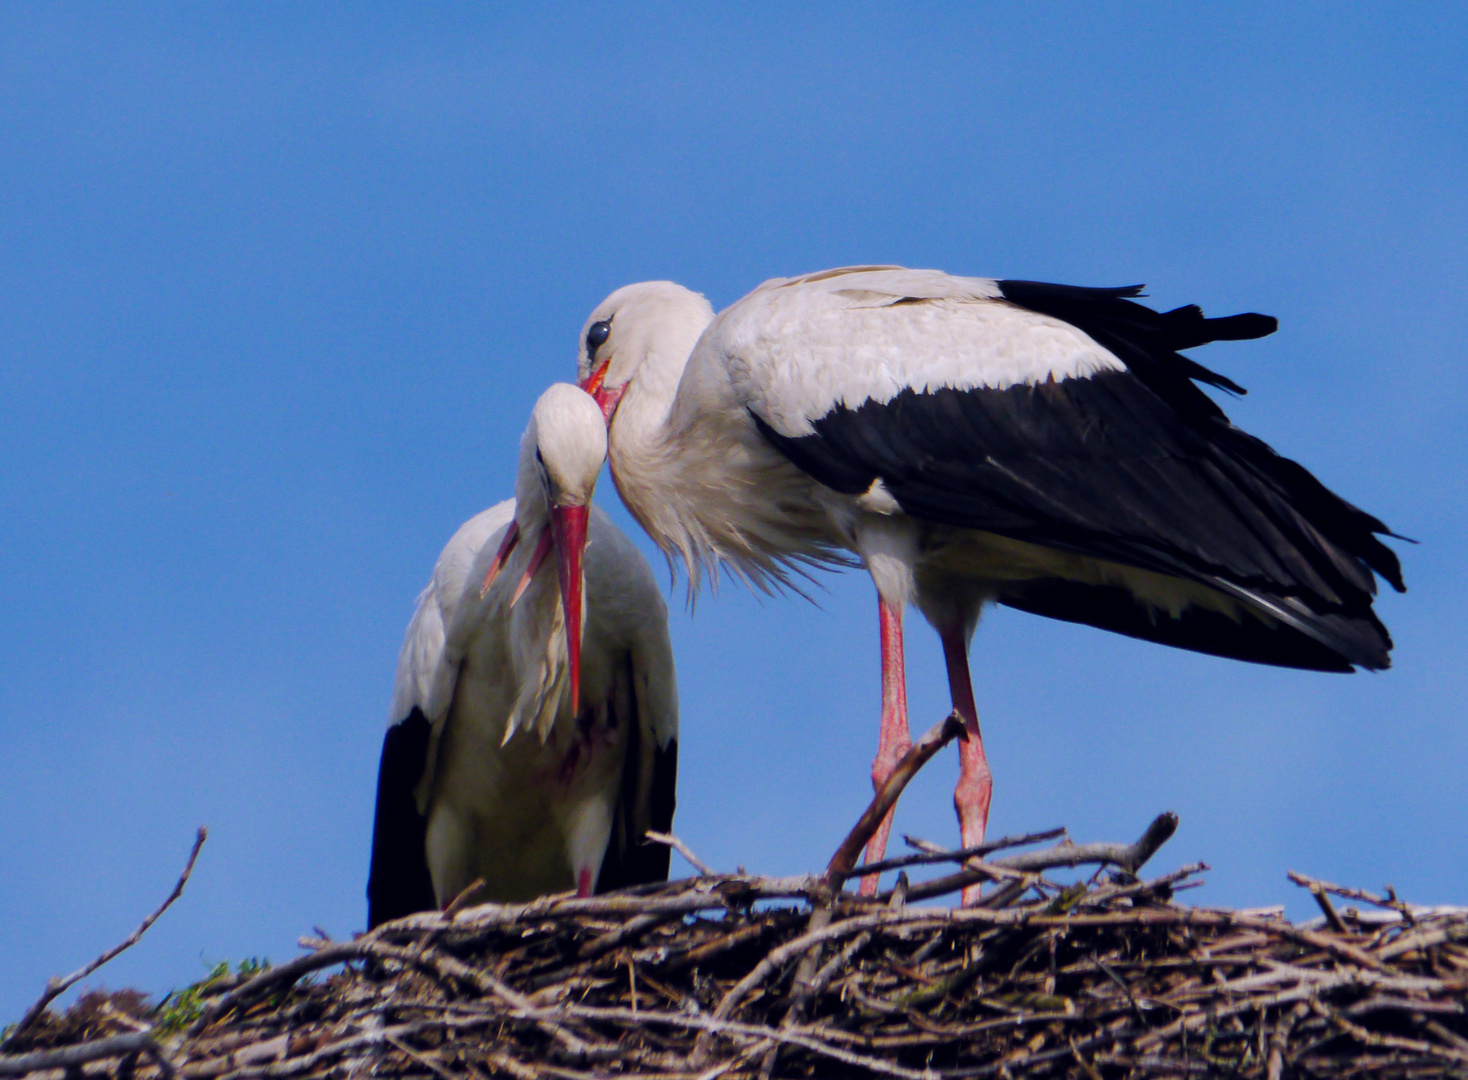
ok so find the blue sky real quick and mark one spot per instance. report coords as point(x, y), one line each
point(279, 284)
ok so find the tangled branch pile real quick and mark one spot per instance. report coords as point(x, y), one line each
point(741, 976)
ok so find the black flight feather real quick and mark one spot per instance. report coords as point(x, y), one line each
point(1137, 467)
point(646, 801)
point(398, 882)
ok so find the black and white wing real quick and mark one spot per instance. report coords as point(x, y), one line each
point(1064, 417)
point(398, 882)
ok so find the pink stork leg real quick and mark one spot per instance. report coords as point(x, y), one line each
point(895, 739)
point(975, 785)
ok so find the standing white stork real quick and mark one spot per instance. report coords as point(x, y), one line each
point(973, 440)
point(526, 749)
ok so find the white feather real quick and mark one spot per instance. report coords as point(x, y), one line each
point(426, 668)
point(796, 349)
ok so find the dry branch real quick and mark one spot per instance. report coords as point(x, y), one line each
point(918, 755)
point(55, 987)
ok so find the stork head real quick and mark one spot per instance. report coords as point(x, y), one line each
point(561, 455)
point(631, 331)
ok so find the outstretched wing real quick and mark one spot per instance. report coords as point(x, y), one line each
point(1065, 418)
point(398, 881)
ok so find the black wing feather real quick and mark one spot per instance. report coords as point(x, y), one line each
point(1148, 343)
point(1196, 629)
point(398, 882)
point(646, 802)
point(1138, 467)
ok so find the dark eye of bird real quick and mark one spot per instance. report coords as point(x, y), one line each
point(597, 336)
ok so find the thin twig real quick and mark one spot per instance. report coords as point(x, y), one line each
point(461, 901)
point(1387, 903)
point(934, 854)
point(682, 849)
point(1130, 857)
point(56, 987)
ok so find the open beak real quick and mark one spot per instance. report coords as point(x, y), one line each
point(568, 524)
point(605, 397)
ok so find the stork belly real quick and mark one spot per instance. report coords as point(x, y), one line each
point(515, 815)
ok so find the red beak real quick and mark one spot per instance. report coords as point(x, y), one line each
point(605, 397)
point(512, 537)
point(568, 524)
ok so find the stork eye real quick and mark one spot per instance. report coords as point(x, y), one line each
point(596, 337)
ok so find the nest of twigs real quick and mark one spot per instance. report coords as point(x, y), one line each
point(747, 976)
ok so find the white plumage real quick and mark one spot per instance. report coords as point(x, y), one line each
point(973, 440)
point(510, 755)
point(794, 349)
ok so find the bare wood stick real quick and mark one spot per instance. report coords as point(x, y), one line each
point(427, 1061)
point(682, 849)
point(482, 981)
point(508, 1064)
point(719, 946)
point(1421, 939)
point(361, 1040)
point(1129, 857)
point(1131, 981)
point(1371, 1038)
point(632, 929)
point(1447, 1036)
point(460, 902)
point(801, 1036)
point(935, 854)
point(1193, 1021)
point(934, 739)
point(1390, 904)
point(56, 987)
point(1279, 1041)
point(1332, 917)
point(807, 989)
point(1009, 892)
point(697, 894)
point(1108, 893)
point(1086, 1066)
point(72, 1056)
point(791, 949)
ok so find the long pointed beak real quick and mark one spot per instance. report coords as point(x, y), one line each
point(606, 398)
point(568, 523)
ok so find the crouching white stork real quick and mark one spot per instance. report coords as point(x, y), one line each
point(527, 747)
point(974, 441)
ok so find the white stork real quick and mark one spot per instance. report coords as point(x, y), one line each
point(974, 441)
point(526, 749)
